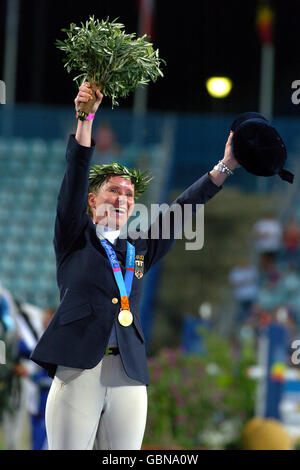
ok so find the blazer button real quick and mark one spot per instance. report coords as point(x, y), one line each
point(114, 300)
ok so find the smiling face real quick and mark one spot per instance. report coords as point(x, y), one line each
point(113, 203)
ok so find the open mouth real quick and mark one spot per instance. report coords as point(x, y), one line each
point(120, 210)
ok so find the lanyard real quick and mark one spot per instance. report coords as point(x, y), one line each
point(124, 287)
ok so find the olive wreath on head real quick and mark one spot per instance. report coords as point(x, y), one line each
point(99, 173)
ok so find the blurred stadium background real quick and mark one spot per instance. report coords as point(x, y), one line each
point(218, 362)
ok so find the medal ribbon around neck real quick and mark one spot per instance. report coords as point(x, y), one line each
point(124, 287)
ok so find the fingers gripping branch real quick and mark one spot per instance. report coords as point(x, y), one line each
point(88, 98)
point(85, 96)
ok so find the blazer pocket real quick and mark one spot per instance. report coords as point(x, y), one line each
point(76, 313)
point(138, 327)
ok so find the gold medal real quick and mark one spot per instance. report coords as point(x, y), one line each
point(125, 317)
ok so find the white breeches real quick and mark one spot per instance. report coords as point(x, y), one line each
point(99, 408)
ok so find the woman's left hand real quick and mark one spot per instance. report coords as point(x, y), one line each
point(229, 158)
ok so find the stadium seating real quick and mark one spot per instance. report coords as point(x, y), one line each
point(31, 172)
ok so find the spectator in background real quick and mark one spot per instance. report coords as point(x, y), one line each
point(38, 381)
point(11, 392)
point(290, 290)
point(269, 273)
point(267, 236)
point(268, 296)
point(260, 317)
point(244, 281)
point(291, 240)
point(106, 148)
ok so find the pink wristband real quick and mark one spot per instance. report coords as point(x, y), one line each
point(89, 117)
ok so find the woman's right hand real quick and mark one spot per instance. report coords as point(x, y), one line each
point(85, 94)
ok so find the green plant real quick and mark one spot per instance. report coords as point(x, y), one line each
point(105, 55)
point(200, 400)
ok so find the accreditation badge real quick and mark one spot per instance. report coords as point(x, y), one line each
point(139, 266)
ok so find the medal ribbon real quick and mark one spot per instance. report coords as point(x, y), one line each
point(124, 287)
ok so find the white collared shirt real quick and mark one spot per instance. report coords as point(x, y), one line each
point(110, 235)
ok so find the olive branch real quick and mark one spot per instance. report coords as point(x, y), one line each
point(105, 55)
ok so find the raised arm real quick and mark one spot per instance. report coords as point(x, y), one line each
point(72, 198)
point(199, 192)
point(84, 128)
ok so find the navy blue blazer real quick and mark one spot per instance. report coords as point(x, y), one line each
point(78, 334)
